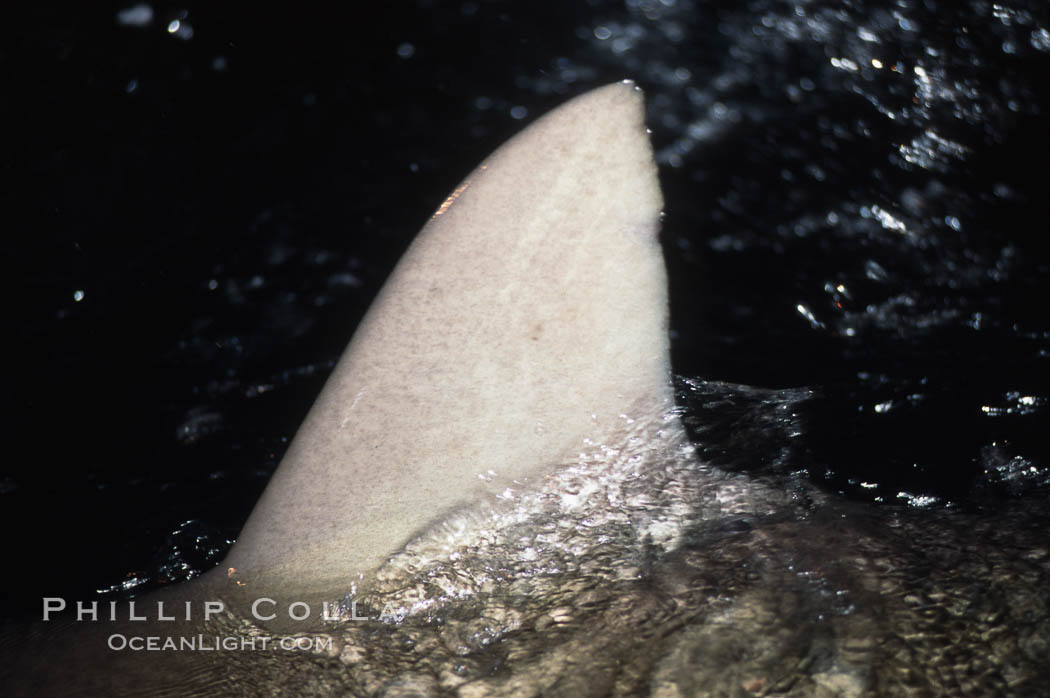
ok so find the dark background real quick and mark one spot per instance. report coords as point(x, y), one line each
point(193, 224)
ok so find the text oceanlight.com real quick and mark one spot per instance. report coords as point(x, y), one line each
point(212, 643)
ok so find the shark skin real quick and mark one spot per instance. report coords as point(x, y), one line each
point(528, 319)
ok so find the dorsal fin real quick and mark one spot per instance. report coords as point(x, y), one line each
point(528, 315)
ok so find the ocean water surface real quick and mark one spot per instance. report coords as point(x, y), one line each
point(206, 199)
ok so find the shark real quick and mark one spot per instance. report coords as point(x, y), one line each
point(494, 494)
point(527, 320)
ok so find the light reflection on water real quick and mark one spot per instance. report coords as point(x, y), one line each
point(783, 130)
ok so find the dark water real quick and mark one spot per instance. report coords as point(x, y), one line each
point(198, 213)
